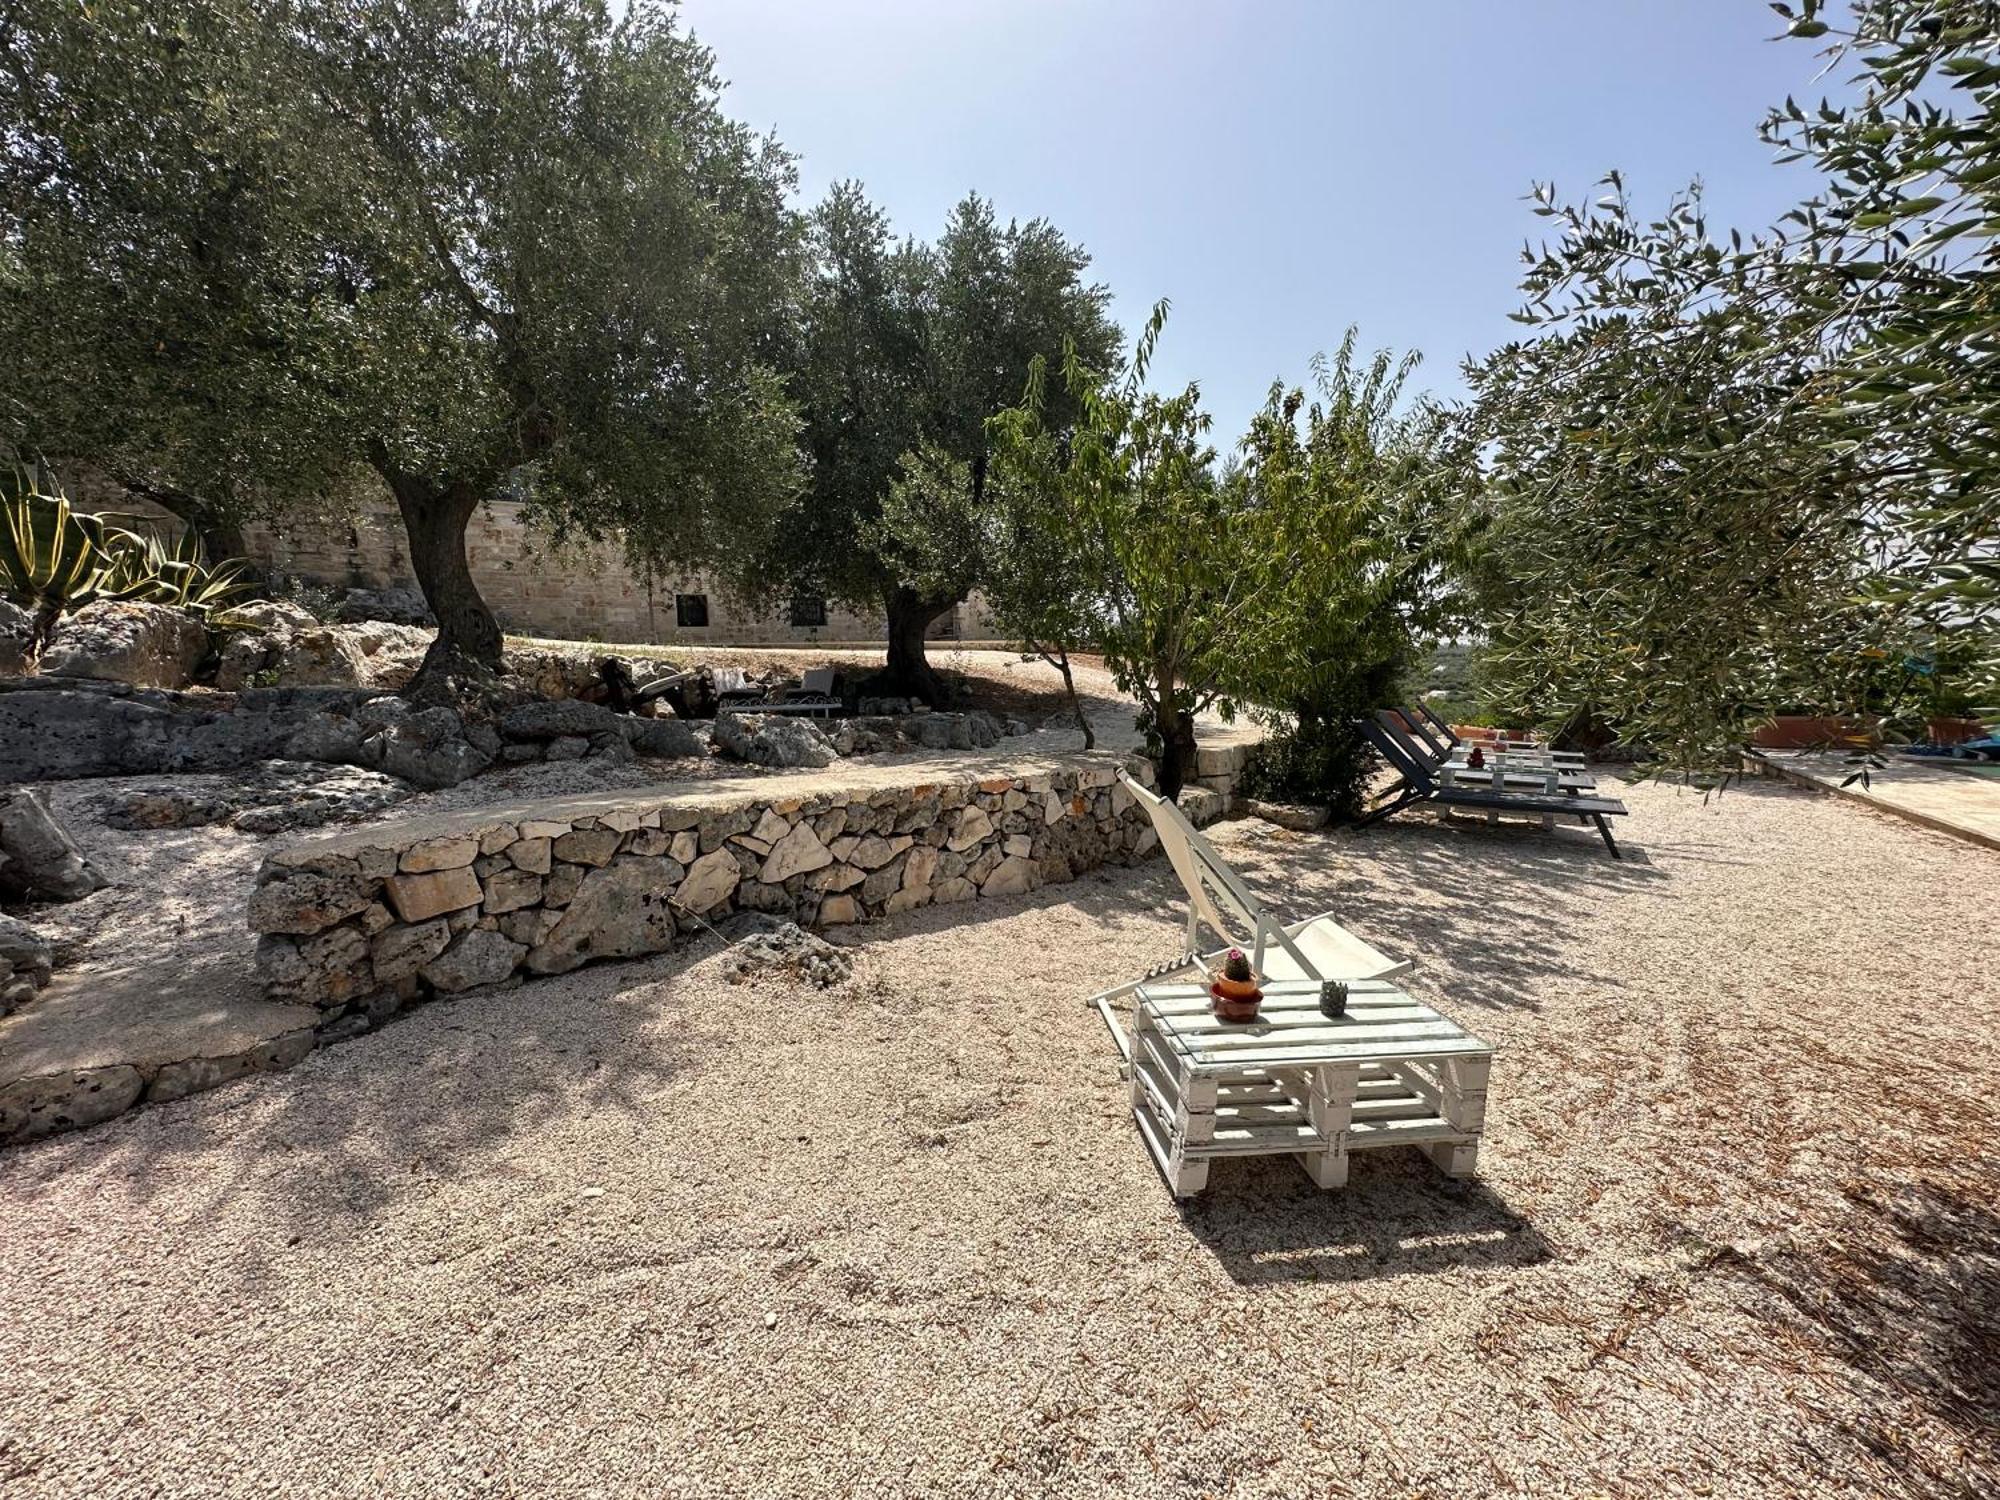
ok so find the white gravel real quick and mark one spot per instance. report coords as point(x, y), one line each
point(638, 1231)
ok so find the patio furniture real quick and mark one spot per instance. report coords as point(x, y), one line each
point(1502, 789)
point(1529, 769)
point(813, 697)
point(1390, 1072)
point(1450, 743)
point(1314, 949)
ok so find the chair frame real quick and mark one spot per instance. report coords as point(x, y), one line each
point(1419, 784)
point(1213, 888)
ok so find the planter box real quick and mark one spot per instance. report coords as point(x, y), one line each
point(1948, 731)
point(1815, 732)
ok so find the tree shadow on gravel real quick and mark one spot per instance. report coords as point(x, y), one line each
point(442, 1092)
point(1907, 1295)
point(1494, 920)
point(1267, 1223)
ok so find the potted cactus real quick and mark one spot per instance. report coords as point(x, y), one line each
point(1234, 993)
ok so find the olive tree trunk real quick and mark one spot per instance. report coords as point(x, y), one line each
point(909, 673)
point(434, 519)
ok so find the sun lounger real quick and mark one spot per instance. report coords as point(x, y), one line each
point(1522, 771)
point(1500, 792)
point(1442, 737)
point(814, 696)
point(1315, 949)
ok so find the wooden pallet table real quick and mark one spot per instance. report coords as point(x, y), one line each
point(1390, 1072)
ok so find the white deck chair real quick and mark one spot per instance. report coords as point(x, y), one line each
point(1316, 948)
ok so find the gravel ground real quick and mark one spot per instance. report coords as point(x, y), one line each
point(635, 1230)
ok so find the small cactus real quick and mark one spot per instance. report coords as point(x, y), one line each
point(1333, 997)
point(1236, 967)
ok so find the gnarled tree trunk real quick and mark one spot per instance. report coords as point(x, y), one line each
point(434, 519)
point(908, 673)
point(1177, 749)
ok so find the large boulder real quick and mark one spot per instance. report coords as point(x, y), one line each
point(773, 740)
point(272, 796)
point(318, 656)
point(26, 961)
point(147, 645)
point(663, 739)
point(272, 614)
point(39, 861)
point(427, 746)
point(397, 606)
point(562, 718)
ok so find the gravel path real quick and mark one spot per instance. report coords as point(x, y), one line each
point(635, 1231)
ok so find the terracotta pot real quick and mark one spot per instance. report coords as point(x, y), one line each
point(1814, 732)
point(1953, 731)
point(1235, 999)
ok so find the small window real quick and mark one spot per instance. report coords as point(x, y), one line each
point(691, 611)
point(809, 611)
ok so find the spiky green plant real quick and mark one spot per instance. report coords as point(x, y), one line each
point(176, 573)
point(53, 557)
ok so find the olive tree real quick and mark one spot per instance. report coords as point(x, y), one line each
point(262, 254)
point(911, 346)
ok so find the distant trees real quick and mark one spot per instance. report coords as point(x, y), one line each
point(909, 348)
point(253, 253)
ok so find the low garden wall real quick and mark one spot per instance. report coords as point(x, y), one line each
point(361, 925)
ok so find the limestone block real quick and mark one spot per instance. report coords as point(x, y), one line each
point(973, 825)
point(440, 854)
point(432, 893)
point(481, 956)
point(533, 855)
point(1012, 877)
point(401, 951)
point(839, 911)
point(798, 851)
point(510, 890)
point(919, 868)
point(710, 881)
point(593, 846)
point(306, 902)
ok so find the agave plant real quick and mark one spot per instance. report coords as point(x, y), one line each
point(176, 573)
point(53, 558)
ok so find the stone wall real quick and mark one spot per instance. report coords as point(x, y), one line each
point(578, 592)
point(362, 925)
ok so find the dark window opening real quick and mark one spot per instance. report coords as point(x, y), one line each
point(809, 612)
point(691, 611)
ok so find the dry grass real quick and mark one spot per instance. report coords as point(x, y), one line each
point(639, 1231)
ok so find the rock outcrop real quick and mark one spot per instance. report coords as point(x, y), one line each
point(145, 645)
point(39, 861)
point(773, 740)
point(26, 962)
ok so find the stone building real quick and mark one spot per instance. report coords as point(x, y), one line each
point(574, 592)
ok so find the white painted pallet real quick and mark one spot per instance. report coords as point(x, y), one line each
point(1390, 1072)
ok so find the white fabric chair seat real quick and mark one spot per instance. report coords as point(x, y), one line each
point(1333, 952)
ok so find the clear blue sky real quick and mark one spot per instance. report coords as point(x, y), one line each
point(1278, 168)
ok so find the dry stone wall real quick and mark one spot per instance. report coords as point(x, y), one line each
point(363, 924)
